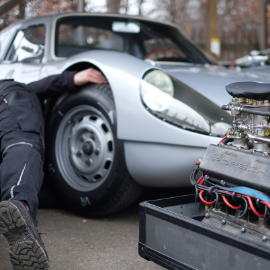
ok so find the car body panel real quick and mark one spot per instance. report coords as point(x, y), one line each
point(161, 165)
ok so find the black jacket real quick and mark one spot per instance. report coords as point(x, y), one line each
point(53, 85)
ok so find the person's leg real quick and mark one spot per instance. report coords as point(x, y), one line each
point(22, 149)
point(21, 171)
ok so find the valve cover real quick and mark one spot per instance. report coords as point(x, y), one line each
point(238, 167)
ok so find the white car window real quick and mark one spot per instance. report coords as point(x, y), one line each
point(28, 45)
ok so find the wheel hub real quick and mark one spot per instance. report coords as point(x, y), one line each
point(88, 148)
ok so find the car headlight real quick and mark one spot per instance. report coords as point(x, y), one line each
point(157, 90)
point(174, 102)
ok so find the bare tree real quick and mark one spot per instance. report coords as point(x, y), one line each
point(139, 3)
point(238, 22)
point(113, 5)
point(8, 5)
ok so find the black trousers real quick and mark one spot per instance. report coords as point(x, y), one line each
point(22, 146)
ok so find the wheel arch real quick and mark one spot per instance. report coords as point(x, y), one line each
point(75, 66)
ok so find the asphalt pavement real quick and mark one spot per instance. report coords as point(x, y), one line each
point(75, 242)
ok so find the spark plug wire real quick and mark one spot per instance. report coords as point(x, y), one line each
point(252, 206)
point(231, 206)
point(203, 200)
point(223, 139)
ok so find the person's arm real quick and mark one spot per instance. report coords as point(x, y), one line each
point(67, 81)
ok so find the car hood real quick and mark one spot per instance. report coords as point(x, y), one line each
point(210, 80)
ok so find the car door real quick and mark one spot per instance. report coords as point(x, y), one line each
point(23, 60)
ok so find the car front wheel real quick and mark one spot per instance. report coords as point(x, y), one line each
point(85, 159)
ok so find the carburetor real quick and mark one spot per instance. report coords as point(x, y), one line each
point(250, 111)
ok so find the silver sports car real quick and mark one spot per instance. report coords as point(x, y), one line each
point(156, 116)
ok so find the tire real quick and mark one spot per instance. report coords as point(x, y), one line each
point(85, 159)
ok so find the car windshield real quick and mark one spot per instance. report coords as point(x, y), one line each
point(140, 38)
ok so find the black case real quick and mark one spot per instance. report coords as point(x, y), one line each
point(173, 236)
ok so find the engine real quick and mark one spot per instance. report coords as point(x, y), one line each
point(235, 180)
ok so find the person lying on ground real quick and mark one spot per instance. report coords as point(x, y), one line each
point(21, 169)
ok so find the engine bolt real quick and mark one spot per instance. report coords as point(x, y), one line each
point(243, 230)
point(88, 162)
point(223, 222)
point(222, 182)
point(206, 177)
point(264, 238)
point(81, 138)
point(97, 151)
point(79, 153)
point(207, 215)
point(265, 154)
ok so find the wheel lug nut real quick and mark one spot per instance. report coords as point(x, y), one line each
point(97, 151)
point(79, 153)
point(81, 138)
point(88, 162)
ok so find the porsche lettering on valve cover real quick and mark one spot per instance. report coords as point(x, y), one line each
point(241, 166)
point(156, 116)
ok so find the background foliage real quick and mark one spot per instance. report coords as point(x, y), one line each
point(238, 21)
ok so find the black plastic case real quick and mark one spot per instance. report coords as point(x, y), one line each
point(173, 236)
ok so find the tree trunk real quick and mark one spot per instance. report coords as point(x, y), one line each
point(80, 5)
point(212, 22)
point(140, 2)
point(263, 26)
point(113, 5)
point(21, 15)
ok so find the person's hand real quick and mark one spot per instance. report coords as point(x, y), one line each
point(89, 75)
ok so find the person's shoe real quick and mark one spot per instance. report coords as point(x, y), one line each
point(27, 251)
